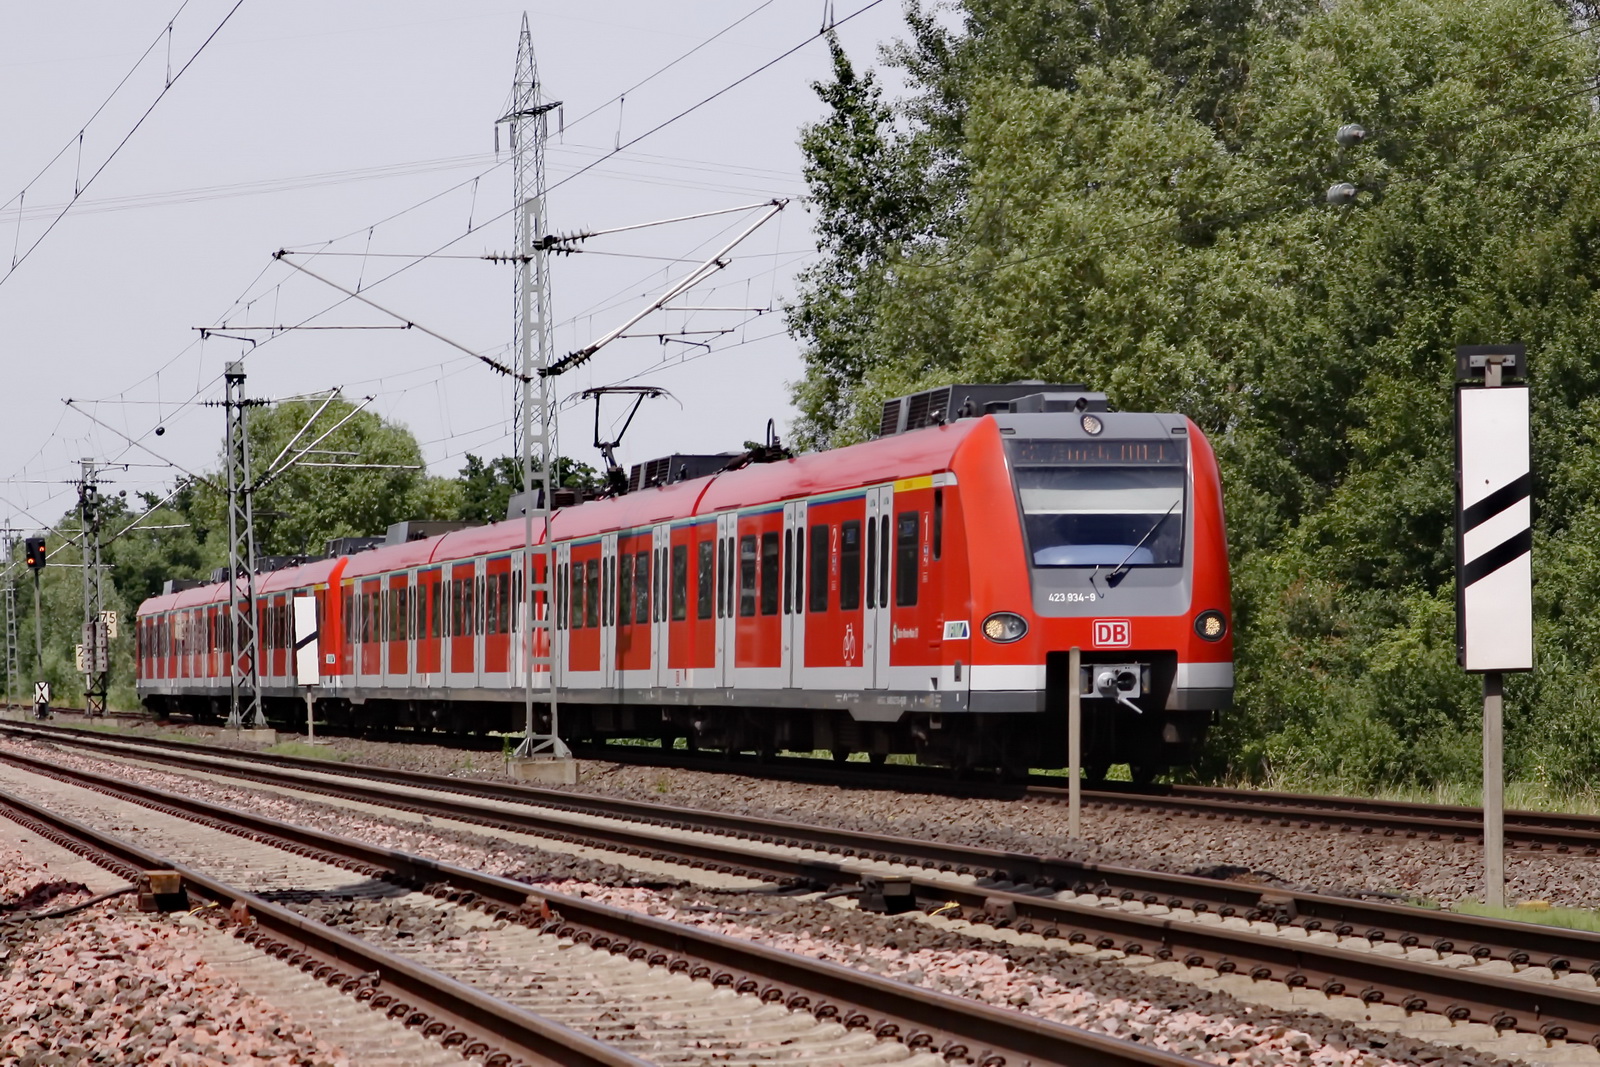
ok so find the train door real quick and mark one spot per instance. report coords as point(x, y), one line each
point(662, 590)
point(561, 598)
point(497, 613)
point(794, 604)
point(727, 598)
point(397, 654)
point(429, 612)
point(875, 655)
point(369, 656)
point(608, 611)
point(461, 671)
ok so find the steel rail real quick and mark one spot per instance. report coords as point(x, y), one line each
point(463, 1016)
point(1407, 925)
point(1531, 829)
point(1462, 993)
point(1536, 830)
point(979, 1033)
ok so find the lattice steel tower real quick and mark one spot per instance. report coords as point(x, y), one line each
point(244, 692)
point(528, 119)
point(13, 666)
point(96, 664)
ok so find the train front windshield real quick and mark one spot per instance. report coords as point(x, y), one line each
point(1101, 503)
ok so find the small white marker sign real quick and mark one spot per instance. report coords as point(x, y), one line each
point(307, 656)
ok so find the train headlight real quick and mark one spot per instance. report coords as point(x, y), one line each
point(1092, 425)
point(1004, 627)
point(1211, 625)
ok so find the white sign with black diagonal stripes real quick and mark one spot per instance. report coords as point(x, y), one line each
point(1494, 529)
point(307, 657)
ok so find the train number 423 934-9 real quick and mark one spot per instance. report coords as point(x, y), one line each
point(1072, 598)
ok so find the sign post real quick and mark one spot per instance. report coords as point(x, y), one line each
point(307, 658)
point(1494, 560)
point(1075, 747)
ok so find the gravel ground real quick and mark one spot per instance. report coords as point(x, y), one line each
point(1441, 871)
point(1050, 981)
point(1055, 985)
point(109, 985)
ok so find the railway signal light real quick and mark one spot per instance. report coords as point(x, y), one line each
point(33, 550)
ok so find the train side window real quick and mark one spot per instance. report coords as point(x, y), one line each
point(850, 566)
point(938, 522)
point(799, 570)
point(872, 561)
point(769, 573)
point(883, 562)
point(722, 577)
point(747, 576)
point(680, 582)
point(641, 586)
point(819, 568)
point(436, 594)
point(491, 605)
point(705, 582)
point(664, 581)
point(625, 589)
point(906, 539)
point(576, 592)
point(506, 600)
point(788, 572)
point(591, 612)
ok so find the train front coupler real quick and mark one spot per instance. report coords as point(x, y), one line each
point(1121, 682)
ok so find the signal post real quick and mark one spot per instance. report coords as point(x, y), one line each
point(34, 553)
point(1494, 559)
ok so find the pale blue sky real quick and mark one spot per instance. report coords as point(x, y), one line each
point(305, 122)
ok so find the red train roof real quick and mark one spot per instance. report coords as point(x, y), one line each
point(922, 451)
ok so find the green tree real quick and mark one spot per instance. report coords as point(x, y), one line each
point(868, 200)
point(487, 488)
point(362, 478)
point(1130, 194)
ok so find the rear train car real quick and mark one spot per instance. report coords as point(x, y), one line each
point(917, 593)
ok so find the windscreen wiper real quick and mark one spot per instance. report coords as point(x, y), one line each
point(1120, 570)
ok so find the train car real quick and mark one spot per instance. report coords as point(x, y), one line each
point(917, 593)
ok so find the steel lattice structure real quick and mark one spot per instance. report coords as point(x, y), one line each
point(535, 402)
point(244, 693)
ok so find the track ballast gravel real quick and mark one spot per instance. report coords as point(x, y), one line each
point(1049, 981)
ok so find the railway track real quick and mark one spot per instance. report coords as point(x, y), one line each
point(1511, 975)
point(1562, 833)
point(456, 1014)
point(731, 985)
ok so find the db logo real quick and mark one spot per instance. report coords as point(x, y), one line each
point(1113, 633)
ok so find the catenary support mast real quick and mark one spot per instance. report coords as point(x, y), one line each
point(534, 408)
point(13, 657)
point(244, 693)
point(96, 639)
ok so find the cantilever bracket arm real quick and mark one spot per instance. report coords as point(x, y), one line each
point(283, 254)
point(684, 284)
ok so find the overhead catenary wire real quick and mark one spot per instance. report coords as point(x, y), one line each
point(79, 190)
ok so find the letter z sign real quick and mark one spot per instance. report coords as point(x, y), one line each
point(1113, 633)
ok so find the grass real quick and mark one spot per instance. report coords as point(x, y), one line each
point(1519, 795)
point(306, 751)
point(1536, 912)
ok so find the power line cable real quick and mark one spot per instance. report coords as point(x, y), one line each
point(17, 261)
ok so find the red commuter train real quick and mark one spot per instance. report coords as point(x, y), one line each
point(917, 593)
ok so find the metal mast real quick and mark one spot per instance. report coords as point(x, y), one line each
point(244, 695)
point(13, 667)
point(96, 654)
point(534, 407)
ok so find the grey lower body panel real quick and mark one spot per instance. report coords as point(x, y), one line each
point(863, 705)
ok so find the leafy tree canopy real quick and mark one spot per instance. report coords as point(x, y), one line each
point(1130, 193)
